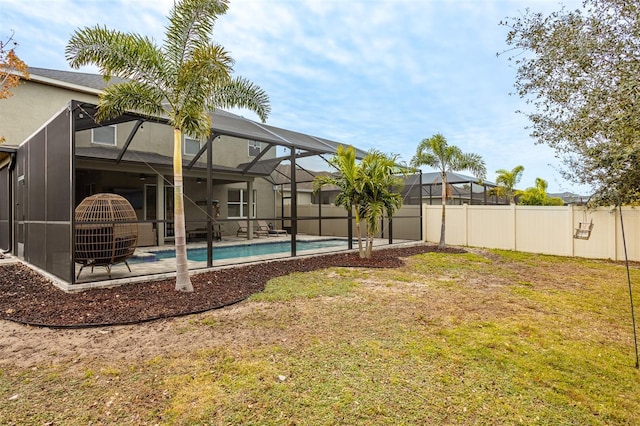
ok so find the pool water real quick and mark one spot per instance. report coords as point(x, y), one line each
point(244, 250)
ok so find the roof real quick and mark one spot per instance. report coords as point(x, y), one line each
point(71, 78)
point(452, 178)
point(434, 177)
point(223, 122)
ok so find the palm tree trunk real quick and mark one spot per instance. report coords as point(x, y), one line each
point(183, 282)
point(441, 244)
point(359, 233)
point(369, 252)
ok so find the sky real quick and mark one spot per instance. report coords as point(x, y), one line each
point(375, 74)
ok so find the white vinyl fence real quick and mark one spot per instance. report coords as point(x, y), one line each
point(534, 229)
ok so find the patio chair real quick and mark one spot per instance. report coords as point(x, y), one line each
point(257, 231)
point(260, 230)
point(242, 228)
point(112, 239)
point(270, 229)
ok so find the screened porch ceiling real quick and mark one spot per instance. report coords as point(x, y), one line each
point(222, 124)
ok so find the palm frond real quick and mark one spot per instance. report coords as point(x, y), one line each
point(194, 120)
point(241, 93)
point(190, 26)
point(203, 74)
point(472, 162)
point(128, 56)
point(323, 180)
point(129, 96)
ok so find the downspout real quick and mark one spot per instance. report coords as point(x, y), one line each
point(12, 165)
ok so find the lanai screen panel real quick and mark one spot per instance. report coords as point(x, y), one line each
point(47, 194)
point(300, 140)
point(35, 176)
point(231, 125)
point(34, 187)
point(59, 197)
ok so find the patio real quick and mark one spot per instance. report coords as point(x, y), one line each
point(142, 271)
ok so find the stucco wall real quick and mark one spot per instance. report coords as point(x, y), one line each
point(31, 106)
point(34, 103)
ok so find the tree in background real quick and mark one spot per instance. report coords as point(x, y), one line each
point(185, 79)
point(580, 70)
point(537, 196)
point(435, 152)
point(369, 189)
point(12, 69)
point(506, 183)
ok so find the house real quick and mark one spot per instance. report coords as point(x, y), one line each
point(56, 154)
point(461, 189)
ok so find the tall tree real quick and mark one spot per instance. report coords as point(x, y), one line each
point(506, 183)
point(437, 153)
point(580, 71)
point(537, 195)
point(184, 79)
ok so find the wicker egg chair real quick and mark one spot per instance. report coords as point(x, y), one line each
point(106, 231)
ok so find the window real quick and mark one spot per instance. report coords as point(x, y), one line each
point(254, 148)
point(105, 135)
point(323, 198)
point(191, 146)
point(237, 203)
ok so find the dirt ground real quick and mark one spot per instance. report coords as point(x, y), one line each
point(79, 326)
point(26, 346)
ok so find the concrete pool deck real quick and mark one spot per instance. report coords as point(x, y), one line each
point(165, 268)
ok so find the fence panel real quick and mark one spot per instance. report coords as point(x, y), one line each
point(537, 229)
point(491, 227)
point(546, 230)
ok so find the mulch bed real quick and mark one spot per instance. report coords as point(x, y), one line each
point(28, 298)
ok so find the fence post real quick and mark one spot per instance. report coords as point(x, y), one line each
point(465, 211)
point(573, 226)
point(613, 231)
point(424, 222)
point(514, 229)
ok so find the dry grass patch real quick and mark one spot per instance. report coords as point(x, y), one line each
point(488, 337)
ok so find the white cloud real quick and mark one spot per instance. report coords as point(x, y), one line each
point(373, 73)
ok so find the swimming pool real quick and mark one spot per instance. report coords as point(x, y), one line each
point(243, 250)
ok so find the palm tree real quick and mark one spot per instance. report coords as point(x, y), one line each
point(184, 79)
point(537, 195)
point(380, 191)
point(367, 189)
point(348, 182)
point(507, 181)
point(436, 153)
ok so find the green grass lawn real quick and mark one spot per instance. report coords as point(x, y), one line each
point(490, 337)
